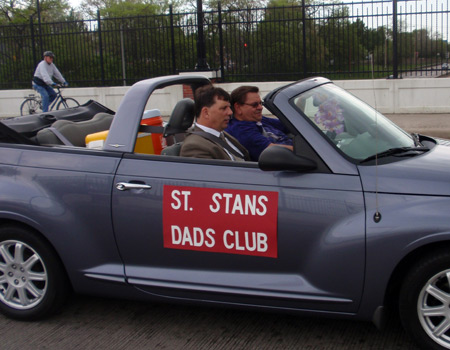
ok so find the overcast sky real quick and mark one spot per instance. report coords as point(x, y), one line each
point(74, 3)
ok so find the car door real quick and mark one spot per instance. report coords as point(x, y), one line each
point(227, 232)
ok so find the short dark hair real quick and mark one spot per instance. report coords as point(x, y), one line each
point(204, 97)
point(240, 94)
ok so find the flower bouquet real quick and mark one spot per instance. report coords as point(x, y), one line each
point(330, 116)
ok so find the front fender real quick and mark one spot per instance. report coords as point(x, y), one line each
point(408, 224)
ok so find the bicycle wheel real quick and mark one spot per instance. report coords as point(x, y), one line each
point(30, 106)
point(67, 103)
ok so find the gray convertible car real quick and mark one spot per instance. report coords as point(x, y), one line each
point(353, 223)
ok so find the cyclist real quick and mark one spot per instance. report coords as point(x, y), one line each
point(43, 77)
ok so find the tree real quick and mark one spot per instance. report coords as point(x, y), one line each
point(283, 36)
point(126, 8)
point(340, 35)
point(17, 47)
point(19, 12)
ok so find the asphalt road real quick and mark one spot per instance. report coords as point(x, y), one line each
point(96, 323)
point(436, 125)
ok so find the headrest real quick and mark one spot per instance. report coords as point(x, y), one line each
point(181, 118)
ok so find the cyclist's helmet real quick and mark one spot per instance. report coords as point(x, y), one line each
point(49, 54)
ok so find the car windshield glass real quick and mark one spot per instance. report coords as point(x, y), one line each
point(354, 127)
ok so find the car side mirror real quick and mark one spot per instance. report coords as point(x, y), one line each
point(281, 158)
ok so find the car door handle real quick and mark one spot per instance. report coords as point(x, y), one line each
point(123, 186)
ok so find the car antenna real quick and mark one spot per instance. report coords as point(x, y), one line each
point(377, 215)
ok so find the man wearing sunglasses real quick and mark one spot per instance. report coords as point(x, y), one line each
point(248, 125)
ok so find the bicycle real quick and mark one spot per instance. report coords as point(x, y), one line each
point(33, 103)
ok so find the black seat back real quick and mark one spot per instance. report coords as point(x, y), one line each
point(180, 120)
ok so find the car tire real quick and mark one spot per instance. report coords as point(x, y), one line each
point(424, 301)
point(33, 282)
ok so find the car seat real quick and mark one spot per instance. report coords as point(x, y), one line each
point(66, 132)
point(180, 120)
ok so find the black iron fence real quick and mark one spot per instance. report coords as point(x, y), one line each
point(355, 40)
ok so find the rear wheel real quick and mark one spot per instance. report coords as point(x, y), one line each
point(67, 103)
point(33, 283)
point(425, 301)
point(30, 106)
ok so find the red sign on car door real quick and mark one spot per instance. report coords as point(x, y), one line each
point(221, 220)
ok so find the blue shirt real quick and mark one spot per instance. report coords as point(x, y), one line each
point(252, 136)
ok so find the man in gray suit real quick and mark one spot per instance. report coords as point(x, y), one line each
point(207, 139)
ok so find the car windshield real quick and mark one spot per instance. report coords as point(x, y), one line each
point(354, 127)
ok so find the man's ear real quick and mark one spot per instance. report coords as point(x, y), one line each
point(205, 113)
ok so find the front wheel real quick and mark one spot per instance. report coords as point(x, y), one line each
point(30, 106)
point(67, 103)
point(33, 283)
point(425, 301)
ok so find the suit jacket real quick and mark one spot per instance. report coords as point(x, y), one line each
point(199, 147)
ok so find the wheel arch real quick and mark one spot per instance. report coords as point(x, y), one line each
point(402, 268)
point(11, 222)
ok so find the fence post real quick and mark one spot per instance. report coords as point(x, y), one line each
point(305, 66)
point(201, 65)
point(122, 52)
point(33, 42)
point(39, 25)
point(172, 37)
point(394, 39)
point(100, 44)
point(222, 61)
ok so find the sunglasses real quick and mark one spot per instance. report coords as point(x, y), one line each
point(254, 104)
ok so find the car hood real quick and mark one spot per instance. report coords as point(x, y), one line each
point(426, 174)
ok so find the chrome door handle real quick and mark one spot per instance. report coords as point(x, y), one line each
point(123, 186)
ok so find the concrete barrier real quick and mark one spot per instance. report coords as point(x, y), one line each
point(391, 96)
point(165, 99)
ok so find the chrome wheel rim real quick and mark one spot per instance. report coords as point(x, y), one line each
point(433, 308)
point(23, 276)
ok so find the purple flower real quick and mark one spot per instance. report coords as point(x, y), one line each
point(330, 116)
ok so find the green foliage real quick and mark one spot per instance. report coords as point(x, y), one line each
point(343, 40)
point(257, 40)
point(286, 3)
point(235, 4)
point(19, 12)
point(126, 8)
